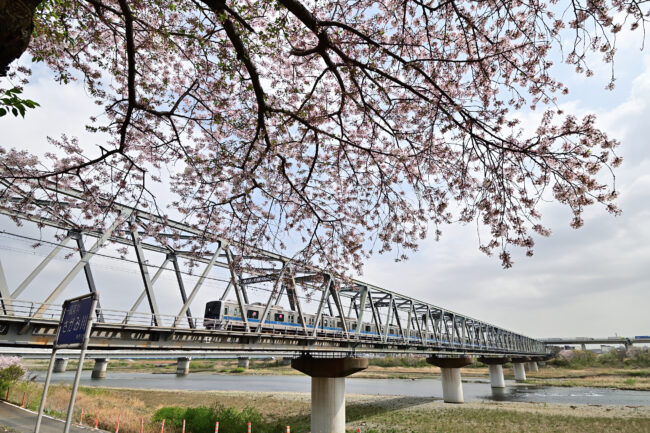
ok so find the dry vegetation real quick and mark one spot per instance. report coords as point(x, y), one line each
point(371, 413)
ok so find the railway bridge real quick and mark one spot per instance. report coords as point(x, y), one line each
point(254, 301)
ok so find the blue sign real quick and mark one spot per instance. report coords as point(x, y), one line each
point(74, 321)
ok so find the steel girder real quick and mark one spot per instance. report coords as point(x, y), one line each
point(402, 323)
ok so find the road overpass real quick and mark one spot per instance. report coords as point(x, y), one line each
point(584, 341)
point(328, 323)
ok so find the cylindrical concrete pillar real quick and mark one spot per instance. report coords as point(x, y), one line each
point(496, 376)
point(328, 389)
point(532, 366)
point(99, 370)
point(452, 387)
point(183, 366)
point(60, 364)
point(243, 362)
point(518, 368)
point(327, 405)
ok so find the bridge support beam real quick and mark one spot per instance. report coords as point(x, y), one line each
point(328, 389)
point(532, 366)
point(183, 366)
point(60, 365)
point(452, 386)
point(99, 370)
point(243, 362)
point(518, 368)
point(495, 367)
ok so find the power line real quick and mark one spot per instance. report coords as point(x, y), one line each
point(33, 251)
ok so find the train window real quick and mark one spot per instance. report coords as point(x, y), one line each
point(212, 309)
point(279, 317)
point(367, 328)
point(354, 326)
point(225, 310)
point(252, 314)
point(339, 325)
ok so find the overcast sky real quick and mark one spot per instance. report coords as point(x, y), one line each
point(594, 281)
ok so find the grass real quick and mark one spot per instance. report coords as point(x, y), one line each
point(598, 377)
point(487, 420)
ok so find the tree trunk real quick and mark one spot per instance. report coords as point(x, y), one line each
point(16, 25)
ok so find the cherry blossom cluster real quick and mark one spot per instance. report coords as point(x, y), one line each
point(328, 129)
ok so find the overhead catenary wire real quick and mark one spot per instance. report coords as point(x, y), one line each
point(33, 251)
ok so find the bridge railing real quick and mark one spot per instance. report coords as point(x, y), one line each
point(28, 309)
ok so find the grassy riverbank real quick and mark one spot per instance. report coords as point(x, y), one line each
point(380, 414)
point(624, 377)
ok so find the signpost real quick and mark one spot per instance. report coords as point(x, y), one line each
point(74, 332)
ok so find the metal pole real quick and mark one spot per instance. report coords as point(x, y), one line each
point(41, 408)
point(88, 272)
point(82, 356)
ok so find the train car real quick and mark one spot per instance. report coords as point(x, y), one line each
point(227, 315)
point(213, 313)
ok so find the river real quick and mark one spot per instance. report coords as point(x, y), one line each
point(474, 390)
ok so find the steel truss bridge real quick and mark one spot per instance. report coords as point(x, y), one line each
point(405, 325)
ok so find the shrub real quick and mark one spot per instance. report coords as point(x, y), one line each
point(636, 357)
point(10, 372)
point(399, 361)
point(613, 358)
point(202, 419)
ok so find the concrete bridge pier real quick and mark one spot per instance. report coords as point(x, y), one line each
point(518, 368)
point(452, 386)
point(183, 366)
point(495, 367)
point(532, 366)
point(60, 365)
point(243, 362)
point(99, 370)
point(328, 389)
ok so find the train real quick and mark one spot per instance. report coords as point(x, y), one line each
point(220, 314)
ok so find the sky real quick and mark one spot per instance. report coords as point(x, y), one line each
point(594, 281)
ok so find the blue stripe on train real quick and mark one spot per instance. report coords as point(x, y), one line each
point(273, 322)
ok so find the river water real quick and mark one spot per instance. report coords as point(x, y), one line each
point(473, 390)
